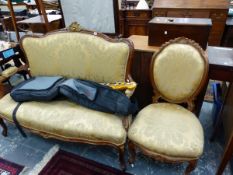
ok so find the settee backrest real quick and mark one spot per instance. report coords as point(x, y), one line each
point(84, 55)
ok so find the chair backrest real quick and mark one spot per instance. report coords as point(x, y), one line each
point(84, 55)
point(179, 71)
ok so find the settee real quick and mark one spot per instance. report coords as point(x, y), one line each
point(74, 53)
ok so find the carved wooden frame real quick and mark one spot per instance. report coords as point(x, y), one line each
point(126, 121)
point(189, 100)
point(163, 158)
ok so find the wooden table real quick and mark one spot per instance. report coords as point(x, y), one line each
point(37, 23)
point(220, 68)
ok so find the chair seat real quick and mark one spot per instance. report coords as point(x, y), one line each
point(66, 120)
point(168, 129)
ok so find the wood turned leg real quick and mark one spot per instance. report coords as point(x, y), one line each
point(132, 152)
point(191, 166)
point(121, 151)
point(4, 131)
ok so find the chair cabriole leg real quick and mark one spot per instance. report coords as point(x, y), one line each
point(4, 127)
point(191, 166)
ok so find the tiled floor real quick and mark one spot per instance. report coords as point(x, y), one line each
point(29, 151)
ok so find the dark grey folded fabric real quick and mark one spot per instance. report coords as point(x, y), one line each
point(98, 97)
point(37, 89)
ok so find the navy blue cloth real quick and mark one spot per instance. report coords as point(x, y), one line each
point(37, 89)
point(98, 97)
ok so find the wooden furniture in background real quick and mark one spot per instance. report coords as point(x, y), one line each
point(227, 40)
point(163, 29)
point(227, 115)
point(217, 10)
point(40, 24)
point(134, 22)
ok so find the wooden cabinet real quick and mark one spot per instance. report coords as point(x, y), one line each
point(134, 22)
point(215, 9)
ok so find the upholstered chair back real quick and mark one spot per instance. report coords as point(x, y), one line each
point(84, 55)
point(178, 71)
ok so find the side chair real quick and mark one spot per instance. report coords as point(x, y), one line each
point(167, 131)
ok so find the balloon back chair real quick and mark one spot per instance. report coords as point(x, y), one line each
point(167, 131)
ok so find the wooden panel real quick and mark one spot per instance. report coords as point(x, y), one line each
point(218, 17)
point(227, 40)
point(162, 29)
point(192, 4)
point(134, 22)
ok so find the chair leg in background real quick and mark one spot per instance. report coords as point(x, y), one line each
point(4, 127)
point(226, 156)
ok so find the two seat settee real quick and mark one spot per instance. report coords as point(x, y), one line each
point(78, 54)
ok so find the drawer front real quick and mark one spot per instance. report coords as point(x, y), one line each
point(188, 13)
point(158, 12)
point(138, 14)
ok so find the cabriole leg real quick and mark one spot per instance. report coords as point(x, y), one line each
point(191, 166)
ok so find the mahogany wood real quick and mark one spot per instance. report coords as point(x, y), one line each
point(134, 22)
point(217, 10)
point(163, 29)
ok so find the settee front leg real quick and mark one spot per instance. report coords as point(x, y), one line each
point(4, 127)
point(121, 151)
point(132, 152)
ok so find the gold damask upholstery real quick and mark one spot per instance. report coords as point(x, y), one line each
point(178, 71)
point(66, 120)
point(168, 129)
point(78, 55)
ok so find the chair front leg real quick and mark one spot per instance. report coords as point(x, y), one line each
point(121, 151)
point(4, 127)
point(191, 166)
point(132, 152)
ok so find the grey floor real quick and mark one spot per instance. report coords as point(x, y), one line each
point(29, 151)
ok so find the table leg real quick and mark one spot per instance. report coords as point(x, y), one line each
point(226, 156)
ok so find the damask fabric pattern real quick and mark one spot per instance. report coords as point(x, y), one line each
point(66, 119)
point(168, 129)
point(178, 71)
point(97, 15)
point(77, 55)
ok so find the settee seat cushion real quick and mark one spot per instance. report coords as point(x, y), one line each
point(67, 120)
point(169, 130)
